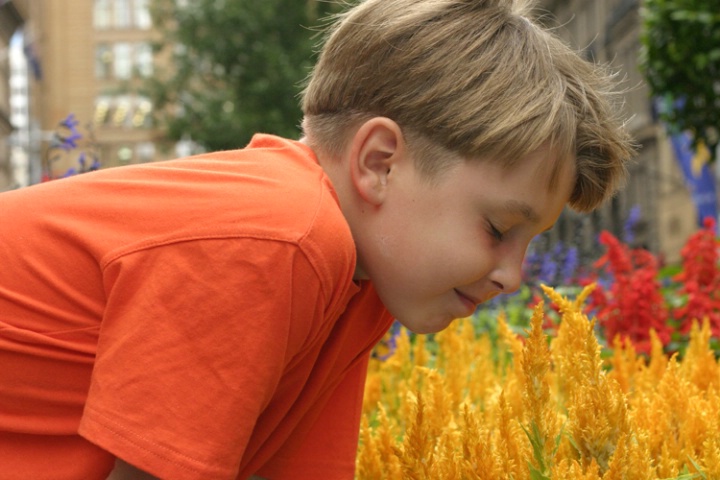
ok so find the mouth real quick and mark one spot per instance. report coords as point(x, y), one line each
point(469, 301)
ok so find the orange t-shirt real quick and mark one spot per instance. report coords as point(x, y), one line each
point(196, 318)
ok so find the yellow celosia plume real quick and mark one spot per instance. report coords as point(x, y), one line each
point(462, 406)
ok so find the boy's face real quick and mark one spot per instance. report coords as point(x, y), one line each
point(436, 250)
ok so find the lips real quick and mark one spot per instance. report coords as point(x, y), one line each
point(469, 301)
point(472, 299)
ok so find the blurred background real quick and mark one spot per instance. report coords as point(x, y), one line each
point(88, 84)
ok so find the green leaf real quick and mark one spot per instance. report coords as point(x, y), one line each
point(680, 58)
point(538, 446)
point(237, 67)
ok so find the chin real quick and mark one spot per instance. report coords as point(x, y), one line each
point(430, 325)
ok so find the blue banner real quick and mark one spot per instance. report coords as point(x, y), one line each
point(699, 176)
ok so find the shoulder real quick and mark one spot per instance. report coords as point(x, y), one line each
point(272, 191)
point(273, 188)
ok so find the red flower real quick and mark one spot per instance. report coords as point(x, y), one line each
point(633, 304)
point(701, 279)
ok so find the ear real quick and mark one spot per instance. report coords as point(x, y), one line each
point(375, 149)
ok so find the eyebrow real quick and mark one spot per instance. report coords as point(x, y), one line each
point(516, 207)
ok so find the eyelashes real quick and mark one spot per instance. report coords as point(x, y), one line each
point(495, 232)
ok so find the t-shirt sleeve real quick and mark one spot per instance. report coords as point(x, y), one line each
point(192, 346)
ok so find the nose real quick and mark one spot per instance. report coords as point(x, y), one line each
point(507, 275)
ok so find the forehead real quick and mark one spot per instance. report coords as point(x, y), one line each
point(549, 165)
point(537, 185)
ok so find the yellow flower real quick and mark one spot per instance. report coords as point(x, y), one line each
point(541, 423)
point(479, 461)
point(699, 364)
point(512, 446)
point(450, 409)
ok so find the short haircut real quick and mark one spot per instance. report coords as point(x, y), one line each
point(479, 78)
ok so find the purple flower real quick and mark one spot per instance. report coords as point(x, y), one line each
point(70, 142)
point(391, 339)
point(548, 269)
point(68, 139)
point(570, 265)
point(70, 122)
point(531, 266)
point(631, 223)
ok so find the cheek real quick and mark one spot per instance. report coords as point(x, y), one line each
point(400, 237)
point(428, 248)
point(452, 265)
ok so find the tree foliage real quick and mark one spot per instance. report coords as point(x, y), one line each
point(235, 67)
point(681, 63)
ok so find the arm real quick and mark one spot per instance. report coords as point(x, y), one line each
point(125, 471)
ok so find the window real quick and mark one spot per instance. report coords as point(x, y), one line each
point(124, 155)
point(123, 111)
point(123, 60)
point(103, 60)
point(102, 107)
point(142, 113)
point(102, 14)
point(141, 15)
point(145, 151)
point(123, 64)
point(144, 59)
point(122, 14)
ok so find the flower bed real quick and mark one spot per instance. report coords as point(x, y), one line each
point(529, 408)
point(634, 394)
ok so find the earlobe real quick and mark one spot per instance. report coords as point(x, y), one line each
point(377, 146)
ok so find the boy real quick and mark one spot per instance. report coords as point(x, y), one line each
point(211, 317)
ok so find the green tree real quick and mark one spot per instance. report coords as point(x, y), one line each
point(680, 59)
point(236, 67)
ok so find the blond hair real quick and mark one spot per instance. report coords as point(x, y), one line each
point(474, 77)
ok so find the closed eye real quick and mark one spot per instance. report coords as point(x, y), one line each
point(495, 232)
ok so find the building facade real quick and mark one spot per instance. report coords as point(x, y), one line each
point(608, 31)
point(10, 21)
point(82, 61)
